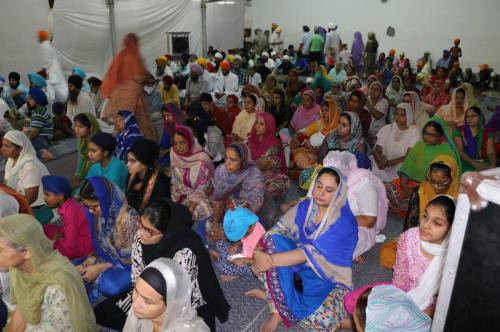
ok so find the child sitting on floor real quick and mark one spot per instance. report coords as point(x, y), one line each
point(242, 227)
point(72, 239)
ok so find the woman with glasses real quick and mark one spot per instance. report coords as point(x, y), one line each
point(145, 181)
point(436, 141)
point(113, 224)
point(165, 231)
point(442, 179)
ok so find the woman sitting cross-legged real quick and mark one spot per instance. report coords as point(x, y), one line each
point(347, 137)
point(393, 143)
point(307, 259)
point(48, 291)
point(267, 153)
point(166, 231)
point(113, 224)
point(161, 301)
point(475, 142)
point(237, 182)
point(145, 181)
point(24, 171)
point(192, 174)
point(312, 136)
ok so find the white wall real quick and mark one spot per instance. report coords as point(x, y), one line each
point(19, 22)
point(421, 25)
point(225, 24)
point(81, 29)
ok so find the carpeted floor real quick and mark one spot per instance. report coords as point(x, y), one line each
point(248, 314)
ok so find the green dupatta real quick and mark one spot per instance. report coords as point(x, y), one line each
point(52, 269)
point(83, 162)
point(420, 156)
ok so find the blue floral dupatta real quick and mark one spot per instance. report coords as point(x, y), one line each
point(328, 246)
point(103, 230)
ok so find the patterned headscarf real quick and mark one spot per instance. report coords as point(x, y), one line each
point(129, 136)
point(111, 202)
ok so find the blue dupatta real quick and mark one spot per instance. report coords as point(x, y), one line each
point(111, 201)
point(328, 246)
point(129, 136)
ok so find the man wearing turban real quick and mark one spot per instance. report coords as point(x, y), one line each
point(195, 85)
point(226, 84)
point(78, 101)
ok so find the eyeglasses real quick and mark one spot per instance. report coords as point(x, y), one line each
point(438, 184)
point(433, 135)
point(148, 232)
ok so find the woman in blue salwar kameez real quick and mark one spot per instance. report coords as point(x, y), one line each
point(307, 258)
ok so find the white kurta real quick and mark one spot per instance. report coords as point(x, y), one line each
point(84, 105)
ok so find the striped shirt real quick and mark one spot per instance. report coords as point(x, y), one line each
point(41, 119)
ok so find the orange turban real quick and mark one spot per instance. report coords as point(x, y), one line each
point(392, 52)
point(483, 66)
point(43, 35)
point(225, 65)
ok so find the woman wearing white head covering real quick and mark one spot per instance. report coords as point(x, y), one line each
point(23, 171)
point(167, 289)
point(393, 142)
point(367, 198)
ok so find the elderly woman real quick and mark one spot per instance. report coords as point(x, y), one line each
point(307, 113)
point(347, 137)
point(161, 301)
point(311, 247)
point(24, 171)
point(246, 118)
point(113, 225)
point(146, 182)
point(192, 174)
point(393, 143)
point(46, 288)
point(367, 199)
point(237, 182)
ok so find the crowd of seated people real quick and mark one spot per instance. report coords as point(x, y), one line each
point(182, 176)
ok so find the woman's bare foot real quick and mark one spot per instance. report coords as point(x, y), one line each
point(46, 155)
point(214, 255)
point(225, 278)
point(360, 259)
point(272, 323)
point(257, 293)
